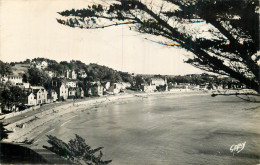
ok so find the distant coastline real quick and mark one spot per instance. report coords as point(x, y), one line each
point(44, 117)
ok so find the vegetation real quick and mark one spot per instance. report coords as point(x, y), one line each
point(95, 72)
point(3, 132)
point(228, 44)
point(139, 80)
point(38, 77)
point(11, 97)
point(5, 69)
point(195, 79)
point(76, 151)
point(100, 73)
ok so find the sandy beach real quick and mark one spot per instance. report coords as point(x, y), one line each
point(32, 127)
point(158, 128)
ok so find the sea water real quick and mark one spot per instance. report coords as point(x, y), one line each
point(172, 129)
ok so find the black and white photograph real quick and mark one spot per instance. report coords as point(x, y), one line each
point(130, 82)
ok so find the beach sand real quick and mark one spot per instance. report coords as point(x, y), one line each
point(154, 128)
point(31, 127)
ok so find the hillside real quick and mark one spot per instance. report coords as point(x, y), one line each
point(20, 68)
point(93, 71)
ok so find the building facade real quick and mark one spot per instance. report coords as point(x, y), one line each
point(13, 79)
point(63, 92)
point(72, 84)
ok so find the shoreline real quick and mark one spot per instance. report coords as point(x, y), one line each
point(43, 120)
point(103, 118)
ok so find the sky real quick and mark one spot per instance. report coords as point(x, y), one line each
point(28, 29)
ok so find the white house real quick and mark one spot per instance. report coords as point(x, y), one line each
point(72, 84)
point(125, 85)
point(115, 88)
point(52, 96)
point(13, 79)
point(30, 100)
point(71, 74)
point(148, 88)
point(40, 93)
point(72, 92)
point(158, 81)
point(107, 85)
point(96, 89)
point(63, 92)
point(23, 85)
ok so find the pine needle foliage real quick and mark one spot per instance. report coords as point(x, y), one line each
point(77, 151)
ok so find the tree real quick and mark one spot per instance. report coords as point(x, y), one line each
point(96, 72)
point(3, 132)
point(38, 77)
point(25, 77)
point(139, 80)
point(126, 77)
point(222, 35)
point(27, 61)
point(12, 96)
point(5, 69)
point(76, 150)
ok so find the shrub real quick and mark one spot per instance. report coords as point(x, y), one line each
point(76, 151)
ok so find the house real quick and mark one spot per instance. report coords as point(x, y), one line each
point(161, 84)
point(158, 81)
point(182, 85)
point(72, 84)
point(148, 88)
point(106, 85)
point(40, 93)
point(23, 85)
point(13, 79)
point(115, 88)
point(30, 99)
point(71, 74)
point(203, 87)
point(53, 96)
point(72, 92)
point(75, 93)
point(118, 86)
point(96, 89)
point(62, 92)
point(125, 85)
point(171, 85)
point(195, 87)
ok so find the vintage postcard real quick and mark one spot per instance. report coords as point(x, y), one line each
point(138, 82)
